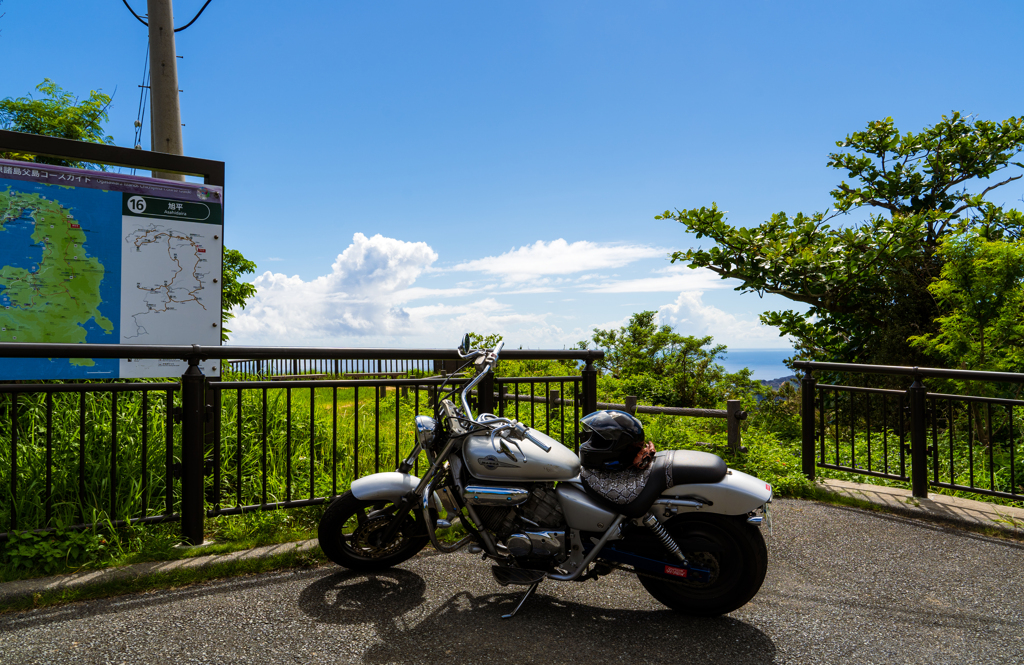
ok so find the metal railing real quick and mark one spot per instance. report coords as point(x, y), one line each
point(279, 368)
point(128, 452)
point(959, 442)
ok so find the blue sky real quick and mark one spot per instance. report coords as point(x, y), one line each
point(404, 171)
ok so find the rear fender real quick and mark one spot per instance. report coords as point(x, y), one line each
point(736, 494)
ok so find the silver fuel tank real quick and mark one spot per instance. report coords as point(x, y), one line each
point(524, 463)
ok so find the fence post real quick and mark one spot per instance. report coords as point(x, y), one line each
point(808, 388)
point(918, 440)
point(485, 394)
point(588, 386)
point(213, 403)
point(193, 388)
point(630, 403)
point(732, 419)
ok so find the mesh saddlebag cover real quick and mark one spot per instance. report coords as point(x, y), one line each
point(619, 487)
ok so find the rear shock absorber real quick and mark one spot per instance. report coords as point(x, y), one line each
point(652, 523)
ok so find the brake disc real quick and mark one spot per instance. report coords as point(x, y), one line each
point(366, 537)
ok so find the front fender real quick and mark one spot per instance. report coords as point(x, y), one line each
point(389, 485)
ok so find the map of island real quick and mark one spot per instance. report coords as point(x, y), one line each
point(178, 257)
point(49, 284)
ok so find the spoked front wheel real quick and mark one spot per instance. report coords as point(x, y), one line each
point(351, 534)
point(731, 550)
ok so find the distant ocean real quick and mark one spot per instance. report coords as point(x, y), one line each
point(766, 364)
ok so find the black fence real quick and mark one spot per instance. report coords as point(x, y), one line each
point(970, 443)
point(124, 452)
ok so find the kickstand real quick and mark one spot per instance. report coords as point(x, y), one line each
point(529, 592)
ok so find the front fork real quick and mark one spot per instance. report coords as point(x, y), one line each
point(408, 502)
point(421, 497)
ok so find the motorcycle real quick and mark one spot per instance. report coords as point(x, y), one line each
point(688, 527)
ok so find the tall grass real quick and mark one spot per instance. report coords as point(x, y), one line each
point(276, 445)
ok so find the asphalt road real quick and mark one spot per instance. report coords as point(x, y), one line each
point(844, 586)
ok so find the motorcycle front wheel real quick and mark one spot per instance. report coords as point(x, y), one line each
point(732, 551)
point(351, 532)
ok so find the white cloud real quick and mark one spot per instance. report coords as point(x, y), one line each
point(360, 296)
point(274, 258)
point(689, 315)
point(445, 323)
point(676, 277)
point(558, 257)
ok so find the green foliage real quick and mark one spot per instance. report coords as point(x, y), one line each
point(59, 114)
point(980, 294)
point(508, 367)
point(770, 456)
point(266, 527)
point(478, 341)
point(866, 285)
point(50, 553)
point(662, 367)
point(235, 292)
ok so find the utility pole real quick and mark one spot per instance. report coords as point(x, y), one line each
point(165, 112)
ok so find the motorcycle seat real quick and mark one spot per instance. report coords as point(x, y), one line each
point(670, 468)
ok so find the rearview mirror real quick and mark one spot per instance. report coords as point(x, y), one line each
point(464, 347)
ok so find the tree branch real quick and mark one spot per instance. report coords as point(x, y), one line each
point(986, 191)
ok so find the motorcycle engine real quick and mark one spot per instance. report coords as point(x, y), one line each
point(535, 530)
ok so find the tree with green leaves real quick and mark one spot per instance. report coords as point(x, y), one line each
point(865, 285)
point(58, 113)
point(235, 292)
point(662, 367)
point(980, 297)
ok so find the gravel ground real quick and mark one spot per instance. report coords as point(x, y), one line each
point(844, 586)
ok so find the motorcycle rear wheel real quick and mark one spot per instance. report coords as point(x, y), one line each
point(350, 532)
point(737, 559)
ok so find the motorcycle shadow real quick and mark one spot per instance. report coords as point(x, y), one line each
point(466, 627)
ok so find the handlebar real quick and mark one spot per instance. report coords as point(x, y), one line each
point(525, 431)
point(488, 360)
point(485, 358)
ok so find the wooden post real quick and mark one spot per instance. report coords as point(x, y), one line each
point(732, 417)
point(631, 404)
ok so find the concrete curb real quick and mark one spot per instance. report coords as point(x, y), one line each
point(937, 507)
point(11, 591)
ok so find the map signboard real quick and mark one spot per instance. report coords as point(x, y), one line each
point(96, 257)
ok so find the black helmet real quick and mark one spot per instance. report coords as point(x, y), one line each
point(610, 440)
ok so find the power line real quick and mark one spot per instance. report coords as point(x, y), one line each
point(143, 21)
point(194, 17)
point(140, 117)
